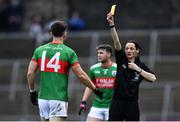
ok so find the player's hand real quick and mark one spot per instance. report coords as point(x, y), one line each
point(34, 98)
point(110, 19)
point(98, 93)
point(134, 67)
point(82, 106)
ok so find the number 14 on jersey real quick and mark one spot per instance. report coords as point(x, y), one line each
point(52, 63)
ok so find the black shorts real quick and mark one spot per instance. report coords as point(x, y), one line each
point(124, 110)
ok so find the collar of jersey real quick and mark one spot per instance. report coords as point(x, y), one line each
point(56, 43)
point(107, 65)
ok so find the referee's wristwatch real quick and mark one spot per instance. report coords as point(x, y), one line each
point(139, 70)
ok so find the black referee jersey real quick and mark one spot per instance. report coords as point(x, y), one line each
point(124, 104)
point(128, 80)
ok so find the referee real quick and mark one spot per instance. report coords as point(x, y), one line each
point(130, 73)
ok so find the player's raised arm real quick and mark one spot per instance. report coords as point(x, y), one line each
point(114, 34)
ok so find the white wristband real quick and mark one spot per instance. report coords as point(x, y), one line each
point(139, 70)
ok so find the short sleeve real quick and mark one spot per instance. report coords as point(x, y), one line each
point(147, 69)
point(35, 55)
point(73, 58)
point(91, 75)
point(120, 57)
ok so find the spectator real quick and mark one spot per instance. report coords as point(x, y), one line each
point(49, 22)
point(3, 16)
point(15, 15)
point(76, 23)
point(36, 25)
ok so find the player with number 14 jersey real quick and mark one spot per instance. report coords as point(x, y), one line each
point(54, 61)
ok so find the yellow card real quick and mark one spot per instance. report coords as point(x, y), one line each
point(113, 9)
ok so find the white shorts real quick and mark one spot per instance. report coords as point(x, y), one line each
point(52, 108)
point(99, 113)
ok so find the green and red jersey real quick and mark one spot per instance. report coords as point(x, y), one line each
point(104, 79)
point(54, 62)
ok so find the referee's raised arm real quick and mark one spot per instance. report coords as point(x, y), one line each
point(117, 44)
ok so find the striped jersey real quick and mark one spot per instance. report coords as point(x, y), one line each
point(54, 61)
point(104, 79)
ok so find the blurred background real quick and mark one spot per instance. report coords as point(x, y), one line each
point(155, 24)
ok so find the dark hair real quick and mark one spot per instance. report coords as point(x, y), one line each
point(135, 43)
point(107, 47)
point(58, 28)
